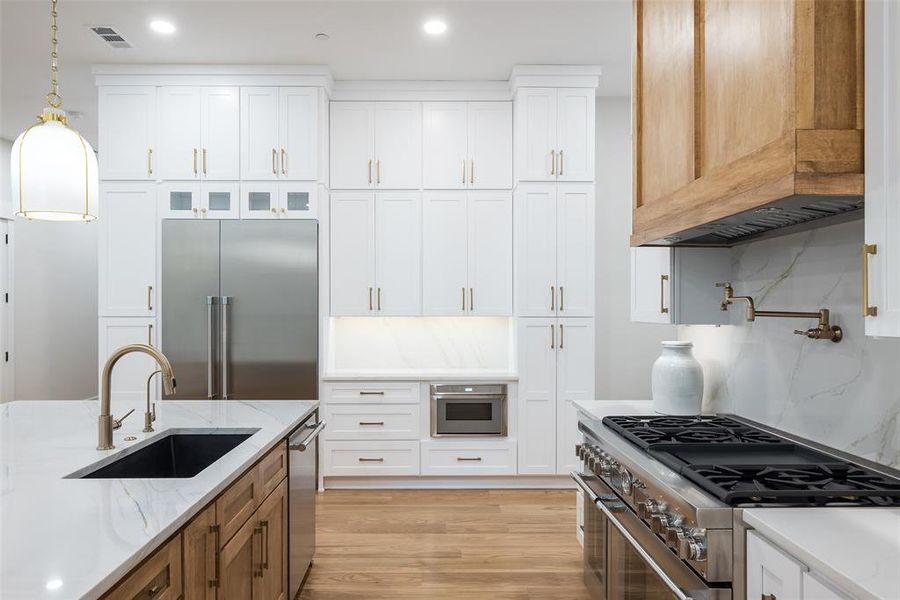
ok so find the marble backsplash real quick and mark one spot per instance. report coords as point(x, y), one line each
point(842, 395)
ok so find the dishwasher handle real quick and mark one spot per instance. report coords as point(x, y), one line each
point(316, 430)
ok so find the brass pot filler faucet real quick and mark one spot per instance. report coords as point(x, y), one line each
point(824, 330)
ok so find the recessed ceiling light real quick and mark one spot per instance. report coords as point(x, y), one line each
point(163, 27)
point(322, 37)
point(54, 584)
point(435, 27)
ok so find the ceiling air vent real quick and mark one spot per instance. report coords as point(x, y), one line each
point(111, 36)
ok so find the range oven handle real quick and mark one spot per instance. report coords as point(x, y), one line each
point(611, 517)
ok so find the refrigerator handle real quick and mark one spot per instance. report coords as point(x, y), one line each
point(210, 352)
point(226, 300)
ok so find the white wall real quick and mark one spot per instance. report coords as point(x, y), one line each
point(54, 297)
point(625, 351)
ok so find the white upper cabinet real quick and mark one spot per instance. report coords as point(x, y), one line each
point(467, 253)
point(127, 251)
point(352, 253)
point(881, 298)
point(574, 382)
point(127, 132)
point(467, 145)
point(279, 133)
point(283, 200)
point(555, 134)
point(555, 241)
point(398, 145)
point(199, 133)
point(445, 149)
point(678, 285)
point(376, 144)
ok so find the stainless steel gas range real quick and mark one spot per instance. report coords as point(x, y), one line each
point(664, 496)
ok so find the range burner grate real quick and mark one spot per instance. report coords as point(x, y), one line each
point(648, 431)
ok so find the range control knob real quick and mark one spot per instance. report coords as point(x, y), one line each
point(693, 546)
point(661, 522)
point(605, 466)
point(673, 534)
point(650, 507)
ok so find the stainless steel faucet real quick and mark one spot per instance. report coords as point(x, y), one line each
point(107, 423)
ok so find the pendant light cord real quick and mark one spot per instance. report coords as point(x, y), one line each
point(53, 98)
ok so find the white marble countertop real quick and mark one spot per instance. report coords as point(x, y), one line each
point(416, 375)
point(855, 549)
point(73, 538)
point(597, 409)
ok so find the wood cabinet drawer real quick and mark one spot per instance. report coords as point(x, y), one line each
point(272, 469)
point(361, 391)
point(159, 577)
point(372, 421)
point(371, 458)
point(237, 503)
point(468, 458)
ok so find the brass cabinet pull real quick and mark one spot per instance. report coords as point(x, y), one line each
point(562, 335)
point(378, 171)
point(274, 169)
point(364, 459)
point(868, 249)
point(552, 297)
point(195, 161)
point(553, 162)
point(265, 543)
point(463, 298)
point(371, 393)
point(257, 531)
point(379, 298)
point(562, 298)
point(149, 297)
point(214, 582)
point(663, 309)
point(768, 597)
point(468, 458)
point(472, 171)
point(154, 590)
point(370, 171)
point(464, 172)
point(375, 423)
point(560, 163)
point(283, 162)
point(204, 161)
point(150, 334)
point(370, 298)
point(149, 161)
point(552, 336)
point(471, 299)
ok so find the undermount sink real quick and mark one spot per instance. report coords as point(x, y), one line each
point(174, 455)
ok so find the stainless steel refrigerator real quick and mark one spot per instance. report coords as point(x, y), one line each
point(240, 308)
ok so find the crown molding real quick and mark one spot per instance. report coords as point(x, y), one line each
point(583, 76)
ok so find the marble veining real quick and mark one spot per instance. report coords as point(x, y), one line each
point(842, 395)
point(74, 538)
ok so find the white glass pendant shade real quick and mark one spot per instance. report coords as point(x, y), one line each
point(53, 172)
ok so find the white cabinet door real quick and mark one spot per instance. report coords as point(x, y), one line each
point(575, 250)
point(536, 134)
point(220, 200)
point(490, 253)
point(179, 132)
point(537, 396)
point(771, 571)
point(127, 250)
point(221, 128)
point(575, 134)
point(398, 253)
point(127, 132)
point(298, 200)
point(352, 145)
point(444, 144)
point(129, 379)
point(179, 199)
point(259, 133)
point(298, 133)
point(535, 216)
point(398, 145)
point(650, 285)
point(352, 253)
point(574, 382)
point(694, 297)
point(444, 253)
point(882, 167)
point(259, 200)
point(490, 145)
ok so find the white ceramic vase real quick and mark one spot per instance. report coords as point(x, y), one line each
point(677, 380)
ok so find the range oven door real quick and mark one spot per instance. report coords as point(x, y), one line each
point(624, 560)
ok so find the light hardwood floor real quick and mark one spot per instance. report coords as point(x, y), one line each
point(460, 544)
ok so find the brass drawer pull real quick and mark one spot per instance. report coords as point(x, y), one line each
point(868, 249)
point(195, 161)
point(552, 297)
point(552, 336)
point(553, 162)
point(149, 161)
point(256, 531)
point(375, 423)
point(265, 543)
point(377, 460)
point(274, 168)
point(768, 597)
point(371, 393)
point(663, 309)
point(468, 458)
point(149, 297)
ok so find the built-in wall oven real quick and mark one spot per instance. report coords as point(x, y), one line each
point(463, 409)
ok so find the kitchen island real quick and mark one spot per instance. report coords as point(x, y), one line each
point(70, 538)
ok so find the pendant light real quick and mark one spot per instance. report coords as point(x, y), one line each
point(53, 169)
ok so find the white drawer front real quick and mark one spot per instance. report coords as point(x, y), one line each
point(461, 458)
point(360, 391)
point(372, 421)
point(371, 458)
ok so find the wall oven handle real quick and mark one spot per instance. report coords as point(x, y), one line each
point(316, 430)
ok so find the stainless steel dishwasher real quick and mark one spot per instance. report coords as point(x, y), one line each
point(303, 447)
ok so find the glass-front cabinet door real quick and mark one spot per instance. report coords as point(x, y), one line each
point(179, 200)
point(259, 200)
point(297, 200)
point(220, 200)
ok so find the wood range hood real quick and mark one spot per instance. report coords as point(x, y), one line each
point(748, 118)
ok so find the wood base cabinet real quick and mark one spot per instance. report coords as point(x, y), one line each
point(158, 578)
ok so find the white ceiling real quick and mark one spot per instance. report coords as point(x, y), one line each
point(369, 40)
